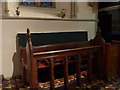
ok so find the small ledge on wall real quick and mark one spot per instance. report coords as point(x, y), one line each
point(59, 19)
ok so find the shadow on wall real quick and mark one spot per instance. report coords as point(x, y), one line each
point(16, 66)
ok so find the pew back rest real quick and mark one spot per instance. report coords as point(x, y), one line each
point(39, 39)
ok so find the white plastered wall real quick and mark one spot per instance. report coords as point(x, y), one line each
point(0, 38)
point(84, 11)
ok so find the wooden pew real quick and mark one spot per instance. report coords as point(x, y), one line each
point(50, 52)
point(96, 49)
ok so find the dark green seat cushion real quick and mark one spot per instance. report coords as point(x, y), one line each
point(39, 39)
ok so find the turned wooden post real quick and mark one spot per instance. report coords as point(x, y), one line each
point(52, 74)
point(66, 72)
point(78, 71)
point(99, 63)
point(89, 66)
